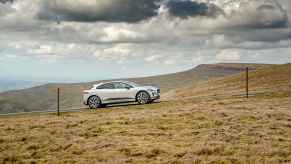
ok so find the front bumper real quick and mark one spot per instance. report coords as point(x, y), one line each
point(155, 95)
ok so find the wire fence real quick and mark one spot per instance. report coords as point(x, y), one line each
point(65, 99)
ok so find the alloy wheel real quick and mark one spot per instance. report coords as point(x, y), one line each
point(94, 102)
point(143, 98)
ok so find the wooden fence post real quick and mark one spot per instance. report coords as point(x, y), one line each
point(58, 105)
point(247, 82)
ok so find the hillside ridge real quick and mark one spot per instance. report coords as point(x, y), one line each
point(272, 80)
point(43, 98)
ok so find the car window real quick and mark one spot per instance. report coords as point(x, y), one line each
point(133, 84)
point(106, 86)
point(121, 86)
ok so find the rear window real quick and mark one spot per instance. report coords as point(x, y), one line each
point(106, 86)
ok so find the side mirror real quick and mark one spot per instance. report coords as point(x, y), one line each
point(128, 88)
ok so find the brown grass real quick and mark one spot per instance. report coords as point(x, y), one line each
point(209, 125)
point(276, 80)
point(233, 130)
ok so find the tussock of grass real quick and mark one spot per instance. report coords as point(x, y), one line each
point(217, 131)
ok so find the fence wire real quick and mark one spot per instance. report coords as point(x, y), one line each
point(40, 100)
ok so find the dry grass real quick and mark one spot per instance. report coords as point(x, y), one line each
point(273, 79)
point(233, 130)
point(196, 129)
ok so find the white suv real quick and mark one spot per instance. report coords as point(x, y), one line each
point(119, 92)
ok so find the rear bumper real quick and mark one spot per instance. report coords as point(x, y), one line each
point(85, 99)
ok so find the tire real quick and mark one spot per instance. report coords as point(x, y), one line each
point(151, 101)
point(94, 102)
point(143, 97)
point(103, 105)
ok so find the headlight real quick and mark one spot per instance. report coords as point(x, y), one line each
point(151, 90)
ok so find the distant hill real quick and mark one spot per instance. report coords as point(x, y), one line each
point(43, 98)
point(8, 84)
point(274, 80)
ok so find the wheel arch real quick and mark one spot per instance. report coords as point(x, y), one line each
point(140, 92)
point(93, 96)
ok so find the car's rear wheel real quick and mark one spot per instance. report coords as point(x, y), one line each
point(143, 97)
point(94, 102)
point(103, 106)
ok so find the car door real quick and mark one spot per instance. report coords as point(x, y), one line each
point(106, 92)
point(124, 92)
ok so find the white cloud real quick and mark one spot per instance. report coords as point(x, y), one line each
point(5, 9)
point(228, 55)
point(259, 14)
point(120, 33)
point(49, 49)
point(43, 49)
point(158, 39)
point(170, 62)
point(219, 40)
point(20, 11)
point(198, 58)
point(153, 58)
point(118, 53)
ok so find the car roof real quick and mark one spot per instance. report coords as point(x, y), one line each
point(119, 81)
point(115, 81)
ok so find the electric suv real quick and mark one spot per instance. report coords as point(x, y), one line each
point(119, 92)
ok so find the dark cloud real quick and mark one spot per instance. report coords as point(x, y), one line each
point(112, 11)
point(259, 15)
point(185, 9)
point(5, 9)
point(122, 10)
point(274, 23)
point(4, 1)
point(250, 14)
point(251, 39)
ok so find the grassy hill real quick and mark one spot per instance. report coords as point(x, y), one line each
point(7, 85)
point(200, 128)
point(275, 79)
point(44, 97)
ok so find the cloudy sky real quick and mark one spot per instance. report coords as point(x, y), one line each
point(84, 40)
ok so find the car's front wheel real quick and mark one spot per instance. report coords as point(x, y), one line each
point(143, 97)
point(151, 101)
point(94, 102)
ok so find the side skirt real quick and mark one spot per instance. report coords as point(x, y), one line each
point(117, 101)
